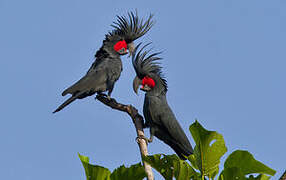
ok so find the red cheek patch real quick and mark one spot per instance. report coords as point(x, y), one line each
point(149, 81)
point(119, 45)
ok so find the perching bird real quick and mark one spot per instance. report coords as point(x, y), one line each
point(158, 114)
point(107, 67)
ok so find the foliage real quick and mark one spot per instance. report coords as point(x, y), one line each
point(210, 147)
point(241, 163)
point(171, 166)
point(94, 172)
point(203, 164)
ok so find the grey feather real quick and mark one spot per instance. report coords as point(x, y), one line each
point(107, 67)
point(158, 114)
point(131, 27)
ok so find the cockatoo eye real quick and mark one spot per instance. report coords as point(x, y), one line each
point(148, 81)
point(120, 45)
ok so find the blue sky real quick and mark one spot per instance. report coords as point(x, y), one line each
point(224, 61)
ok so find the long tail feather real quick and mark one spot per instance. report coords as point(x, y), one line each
point(181, 152)
point(67, 102)
point(181, 147)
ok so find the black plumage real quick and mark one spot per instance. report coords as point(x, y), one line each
point(158, 114)
point(107, 67)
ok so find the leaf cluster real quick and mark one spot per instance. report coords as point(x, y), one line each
point(202, 165)
point(95, 172)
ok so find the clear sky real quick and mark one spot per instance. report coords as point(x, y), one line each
point(224, 61)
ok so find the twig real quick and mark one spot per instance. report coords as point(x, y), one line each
point(283, 177)
point(138, 123)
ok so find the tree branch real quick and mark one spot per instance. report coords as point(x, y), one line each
point(283, 177)
point(138, 123)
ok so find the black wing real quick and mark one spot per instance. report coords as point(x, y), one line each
point(167, 128)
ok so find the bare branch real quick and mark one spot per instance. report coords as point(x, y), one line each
point(138, 123)
point(283, 177)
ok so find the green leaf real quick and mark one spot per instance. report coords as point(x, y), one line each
point(184, 171)
point(241, 163)
point(192, 159)
point(232, 173)
point(235, 173)
point(162, 163)
point(170, 166)
point(259, 177)
point(210, 147)
point(246, 163)
point(94, 172)
point(133, 172)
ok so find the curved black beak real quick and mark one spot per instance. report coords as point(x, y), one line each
point(131, 48)
point(136, 84)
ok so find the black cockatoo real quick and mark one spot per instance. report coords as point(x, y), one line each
point(107, 67)
point(158, 114)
